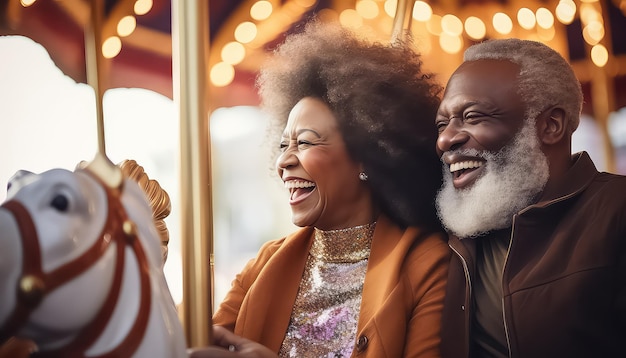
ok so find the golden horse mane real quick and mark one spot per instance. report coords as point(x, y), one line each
point(157, 197)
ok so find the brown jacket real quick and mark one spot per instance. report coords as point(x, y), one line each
point(564, 279)
point(402, 299)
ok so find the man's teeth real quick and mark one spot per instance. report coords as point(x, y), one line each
point(465, 165)
point(295, 184)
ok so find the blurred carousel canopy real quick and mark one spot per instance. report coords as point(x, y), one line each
point(137, 41)
point(137, 38)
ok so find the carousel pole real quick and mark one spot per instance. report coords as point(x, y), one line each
point(96, 68)
point(94, 65)
point(602, 90)
point(190, 40)
point(401, 26)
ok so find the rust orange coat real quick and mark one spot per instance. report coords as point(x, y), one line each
point(402, 299)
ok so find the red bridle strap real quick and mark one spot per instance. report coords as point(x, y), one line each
point(31, 265)
point(113, 231)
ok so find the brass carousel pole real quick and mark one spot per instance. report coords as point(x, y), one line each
point(602, 91)
point(94, 62)
point(97, 70)
point(190, 40)
point(399, 29)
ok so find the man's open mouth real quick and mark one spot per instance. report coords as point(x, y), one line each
point(458, 169)
point(466, 172)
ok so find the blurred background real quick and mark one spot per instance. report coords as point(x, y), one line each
point(48, 115)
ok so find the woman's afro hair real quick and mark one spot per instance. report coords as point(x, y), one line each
point(384, 103)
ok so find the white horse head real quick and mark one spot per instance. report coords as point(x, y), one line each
point(80, 269)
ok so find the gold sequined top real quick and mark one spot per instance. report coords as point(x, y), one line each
point(326, 311)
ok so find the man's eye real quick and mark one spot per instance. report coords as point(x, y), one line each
point(473, 115)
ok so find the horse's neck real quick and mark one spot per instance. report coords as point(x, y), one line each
point(163, 335)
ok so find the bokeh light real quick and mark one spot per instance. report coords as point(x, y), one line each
point(367, 9)
point(261, 10)
point(222, 74)
point(599, 55)
point(475, 28)
point(526, 18)
point(451, 25)
point(502, 23)
point(111, 47)
point(233, 53)
point(422, 11)
point(245, 32)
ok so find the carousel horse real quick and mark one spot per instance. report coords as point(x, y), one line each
point(81, 267)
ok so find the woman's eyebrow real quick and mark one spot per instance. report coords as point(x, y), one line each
point(308, 130)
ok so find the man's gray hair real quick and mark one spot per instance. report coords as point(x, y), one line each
point(546, 79)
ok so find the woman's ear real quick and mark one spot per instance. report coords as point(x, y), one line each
point(552, 126)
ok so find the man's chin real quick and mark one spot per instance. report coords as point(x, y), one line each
point(474, 210)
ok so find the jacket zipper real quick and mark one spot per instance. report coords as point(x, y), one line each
point(468, 294)
point(506, 259)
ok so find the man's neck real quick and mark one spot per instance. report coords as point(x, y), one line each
point(558, 173)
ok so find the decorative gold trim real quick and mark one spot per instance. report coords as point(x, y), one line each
point(105, 170)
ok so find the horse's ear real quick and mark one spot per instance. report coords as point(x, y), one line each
point(109, 173)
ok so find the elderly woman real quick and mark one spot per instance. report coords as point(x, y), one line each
point(365, 274)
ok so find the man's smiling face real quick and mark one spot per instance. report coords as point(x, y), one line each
point(492, 161)
point(481, 111)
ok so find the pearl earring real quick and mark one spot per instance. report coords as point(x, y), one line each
point(363, 176)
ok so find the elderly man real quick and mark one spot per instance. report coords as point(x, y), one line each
point(538, 234)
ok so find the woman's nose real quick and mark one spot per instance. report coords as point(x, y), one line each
point(286, 159)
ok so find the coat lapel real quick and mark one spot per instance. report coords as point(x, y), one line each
point(270, 300)
point(390, 245)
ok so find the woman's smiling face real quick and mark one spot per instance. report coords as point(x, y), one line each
point(324, 185)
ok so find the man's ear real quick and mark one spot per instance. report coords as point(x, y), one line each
point(552, 126)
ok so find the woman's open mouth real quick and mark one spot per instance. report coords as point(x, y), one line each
point(299, 190)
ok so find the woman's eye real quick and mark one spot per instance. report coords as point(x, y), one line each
point(282, 146)
point(60, 202)
point(304, 142)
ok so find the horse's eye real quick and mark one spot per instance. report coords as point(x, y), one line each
point(60, 202)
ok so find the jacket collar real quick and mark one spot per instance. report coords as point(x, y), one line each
point(390, 246)
point(578, 177)
point(272, 296)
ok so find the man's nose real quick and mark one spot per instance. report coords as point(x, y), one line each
point(452, 137)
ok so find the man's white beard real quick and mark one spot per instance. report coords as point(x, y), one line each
point(512, 179)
